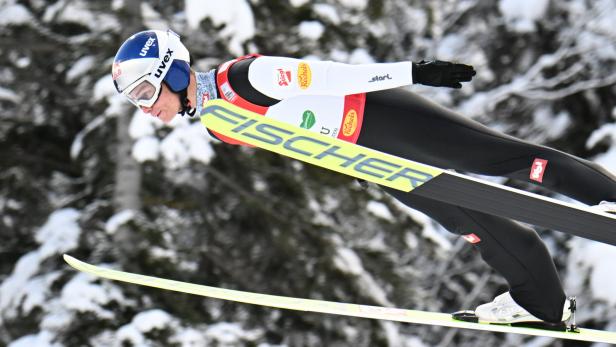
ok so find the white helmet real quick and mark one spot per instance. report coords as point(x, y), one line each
point(145, 61)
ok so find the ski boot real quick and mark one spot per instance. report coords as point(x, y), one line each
point(504, 310)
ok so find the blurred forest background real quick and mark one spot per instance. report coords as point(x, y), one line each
point(83, 172)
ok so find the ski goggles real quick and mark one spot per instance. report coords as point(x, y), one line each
point(145, 91)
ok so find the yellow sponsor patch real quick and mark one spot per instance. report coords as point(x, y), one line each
point(349, 125)
point(304, 75)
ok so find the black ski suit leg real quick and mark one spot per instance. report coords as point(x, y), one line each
point(407, 125)
point(514, 251)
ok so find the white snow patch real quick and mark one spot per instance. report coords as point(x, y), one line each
point(379, 209)
point(57, 317)
point(77, 11)
point(163, 253)
point(9, 95)
point(129, 333)
point(475, 105)
point(21, 290)
point(593, 262)
point(152, 19)
point(225, 333)
point(146, 148)
point(552, 125)
point(118, 104)
point(339, 55)
point(371, 288)
point(320, 217)
point(190, 338)
point(434, 232)
point(330, 203)
point(23, 62)
point(235, 15)
point(36, 293)
point(357, 4)
point(376, 244)
point(42, 339)
point(360, 56)
point(347, 261)
point(451, 46)
point(392, 333)
point(184, 143)
point(298, 3)
point(413, 341)
point(11, 293)
point(328, 12)
point(14, 14)
point(605, 131)
point(152, 320)
point(118, 219)
point(603, 22)
point(104, 88)
point(312, 30)
point(142, 125)
point(80, 67)
point(80, 295)
point(200, 143)
point(431, 230)
point(60, 233)
point(522, 14)
point(608, 158)
point(602, 46)
point(20, 293)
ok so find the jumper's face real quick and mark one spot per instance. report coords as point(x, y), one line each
point(166, 106)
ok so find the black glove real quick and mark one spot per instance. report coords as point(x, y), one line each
point(442, 73)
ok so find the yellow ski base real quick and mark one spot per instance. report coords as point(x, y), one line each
point(320, 306)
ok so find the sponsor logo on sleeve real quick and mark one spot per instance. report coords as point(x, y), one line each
point(116, 72)
point(304, 75)
point(308, 119)
point(283, 77)
point(538, 169)
point(471, 238)
point(349, 124)
point(378, 78)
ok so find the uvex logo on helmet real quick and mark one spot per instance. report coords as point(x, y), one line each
point(163, 63)
point(146, 46)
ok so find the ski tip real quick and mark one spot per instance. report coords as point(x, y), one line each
point(70, 260)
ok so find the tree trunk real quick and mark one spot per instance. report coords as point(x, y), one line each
point(126, 193)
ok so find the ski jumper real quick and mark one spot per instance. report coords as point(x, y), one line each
point(396, 121)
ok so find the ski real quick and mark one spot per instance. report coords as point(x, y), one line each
point(330, 307)
point(406, 175)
